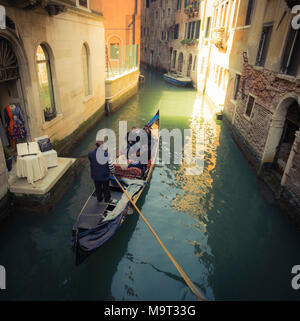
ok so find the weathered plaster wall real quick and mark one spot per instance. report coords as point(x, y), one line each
point(64, 36)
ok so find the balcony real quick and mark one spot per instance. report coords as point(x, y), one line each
point(53, 7)
point(192, 8)
point(218, 37)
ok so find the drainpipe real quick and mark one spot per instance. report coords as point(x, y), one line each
point(133, 21)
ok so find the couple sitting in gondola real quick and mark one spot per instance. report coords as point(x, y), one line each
point(138, 151)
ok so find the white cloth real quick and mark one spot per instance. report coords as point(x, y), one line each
point(51, 158)
point(33, 167)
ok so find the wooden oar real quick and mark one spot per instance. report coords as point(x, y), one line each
point(185, 277)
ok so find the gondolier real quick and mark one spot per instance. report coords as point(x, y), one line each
point(101, 167)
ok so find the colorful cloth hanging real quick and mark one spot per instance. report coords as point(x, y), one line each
point(15, 122)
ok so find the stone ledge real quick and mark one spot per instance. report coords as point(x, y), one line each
point(42, 204)
point(20, 186)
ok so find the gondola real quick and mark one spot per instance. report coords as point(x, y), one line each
point(97, 221)
point(177, 79)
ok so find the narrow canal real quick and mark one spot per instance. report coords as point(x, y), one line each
point(229, 240)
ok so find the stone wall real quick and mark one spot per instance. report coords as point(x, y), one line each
point(121, 88)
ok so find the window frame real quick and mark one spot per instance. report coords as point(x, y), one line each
point(48, 63)
point(178, 7)
point(249, 16)
point(207, 27)
point(263, 47)
point(83, 7)
point(252, 108)
point(176, 31)
point(236, 86)
point(284, 69)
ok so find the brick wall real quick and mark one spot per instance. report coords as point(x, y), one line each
point(269, 90)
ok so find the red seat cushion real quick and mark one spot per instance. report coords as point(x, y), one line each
point(132, 172)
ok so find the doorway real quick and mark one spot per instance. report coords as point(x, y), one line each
point(291, 125)
point(189, 67)
point(10, 88)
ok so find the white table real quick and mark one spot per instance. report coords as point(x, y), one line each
point(33, 167)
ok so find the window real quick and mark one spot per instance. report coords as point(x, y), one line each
point(86, 70)
point(147, 3)
point(263, 45)
point(236, 86)
point(291, 58)
point(163, 13)
point(207, 29)
point(115, 51)
point(45, 82)
point(185, 30)
point(176, 31)
point(193, 29)
point(179, 4)
point(249, 12)
point(84, 3)
point(250, 104)
point(185, 3)
point(189, 30)
point(169, 12)
point(198, 23)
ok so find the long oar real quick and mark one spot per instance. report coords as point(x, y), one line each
point(185, 277)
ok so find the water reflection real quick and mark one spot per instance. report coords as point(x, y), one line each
point(196, 188)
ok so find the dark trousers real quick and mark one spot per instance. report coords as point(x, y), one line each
point(102, 188)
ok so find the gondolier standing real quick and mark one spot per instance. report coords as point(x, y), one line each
point(101, 167)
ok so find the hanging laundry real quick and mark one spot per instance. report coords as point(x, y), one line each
point(15, 122)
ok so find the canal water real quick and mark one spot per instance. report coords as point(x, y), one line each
point(230, 241)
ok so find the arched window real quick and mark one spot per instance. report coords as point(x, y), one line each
point(180, 62)
point(45, 82)
point(86, 70)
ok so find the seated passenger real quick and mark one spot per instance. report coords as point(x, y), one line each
point(134, 154)
point(132, 133)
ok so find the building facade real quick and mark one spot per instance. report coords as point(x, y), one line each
point(170, 35)
point(52, 66)
point(122, 46)
point(263, 96)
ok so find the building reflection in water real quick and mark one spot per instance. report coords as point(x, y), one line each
point(197, 198)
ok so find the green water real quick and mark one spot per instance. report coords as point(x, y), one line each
point(231, 243)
